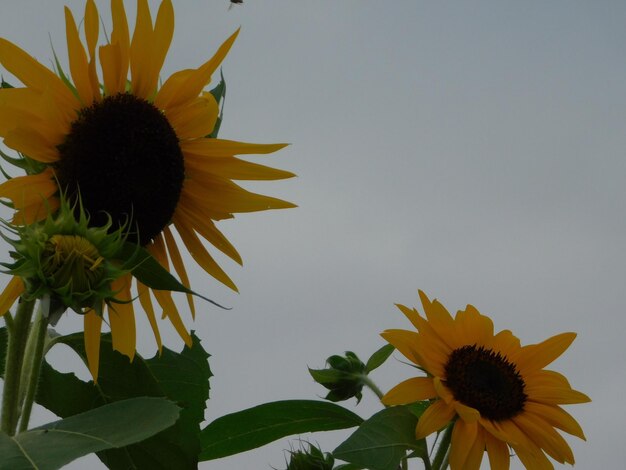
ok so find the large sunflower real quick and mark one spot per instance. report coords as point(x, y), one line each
point(496, 392)
point(133, 150)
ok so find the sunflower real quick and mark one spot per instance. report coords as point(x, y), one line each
point(496, 393)
point(135, 150)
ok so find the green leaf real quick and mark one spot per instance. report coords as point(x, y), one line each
point(150, 272)
point(119, 424)
point(255, 427)
point(382, 441)
point(181, 377)
point(219, 93)
point(379, 357)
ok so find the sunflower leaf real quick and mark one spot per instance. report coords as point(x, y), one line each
point(382, 441)
point(180, 377)
point(149, 271)
point(55, 444)
point(260, 425)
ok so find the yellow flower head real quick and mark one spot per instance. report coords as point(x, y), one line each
point(135, 151)
point(496, 391)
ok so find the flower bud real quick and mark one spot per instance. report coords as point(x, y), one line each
point(343, 377)
point(313, 459)
point(64, 260)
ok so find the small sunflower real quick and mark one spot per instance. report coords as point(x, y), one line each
point(133, 149)
point(496, 392)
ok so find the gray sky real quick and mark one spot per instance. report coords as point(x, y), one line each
point(474, 150)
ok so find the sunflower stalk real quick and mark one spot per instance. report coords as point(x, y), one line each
point(30, 372)
point(369, 383)
point(18, 338)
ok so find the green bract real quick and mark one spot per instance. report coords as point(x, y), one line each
point(313, 459)
point(66, 261)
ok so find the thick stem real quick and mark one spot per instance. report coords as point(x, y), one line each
point(440, 462)
point(30, 371)
point(13, 368)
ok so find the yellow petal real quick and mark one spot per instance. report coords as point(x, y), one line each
point(474, 327)
point(234, 168)
point(556, 416)
point(498, 451)
point(91, 33)
point(535, 460)
point(34, 75)
point(537, 356)
point(32, 143)
point(170, 88)
point(13, 289)
point(404, 341)
point(146, 303)
point(140, 51)
point(228, 197)
point(164, 298)
point(92, 24)
point(545, 437)
point(410, 391)
point(226, 148)
point(441, 321)
point(181, 92)
point(122, 319)
point(120, 39)
point(444, 393)
point(436, 416)
point(92, 328)
point(179, 266)
point(192, 217)
point(505, 343)
point(552, 388)
point(27, 190)
point(197, 119)
point(201, 255)
point(157, 249)
point(411, 314)
point(475, 455)
point(162, 38)
point(463, 438)
point(78, 60)
point(36, 212)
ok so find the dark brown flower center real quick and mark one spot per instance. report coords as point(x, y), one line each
point(123, 158)
point(486, 381)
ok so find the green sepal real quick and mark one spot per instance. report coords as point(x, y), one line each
point(4, 84)
point(379, 357)
point(219, 93)
point(149, 271)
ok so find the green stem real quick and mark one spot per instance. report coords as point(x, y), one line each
point(372, 386)
point(440, 462)
point(13, 368)
point(30, 371)
point(8, 321)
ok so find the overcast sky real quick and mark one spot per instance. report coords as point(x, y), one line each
point(474, 150)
